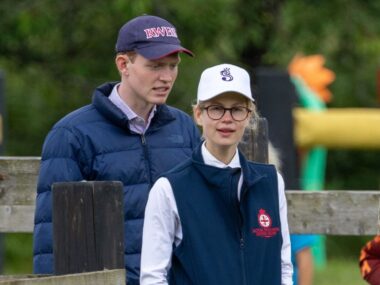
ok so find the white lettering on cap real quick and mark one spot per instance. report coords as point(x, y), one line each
point(160, 32)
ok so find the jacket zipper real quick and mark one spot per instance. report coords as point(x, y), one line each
point(241, 240)
point(242, 248)
point(143, 142)
point(236, 204)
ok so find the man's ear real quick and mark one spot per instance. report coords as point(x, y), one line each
point(121, 62)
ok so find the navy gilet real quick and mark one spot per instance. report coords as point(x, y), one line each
point(226, 242)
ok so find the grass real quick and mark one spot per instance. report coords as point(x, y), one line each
point(340, 271)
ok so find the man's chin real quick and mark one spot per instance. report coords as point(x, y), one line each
point(159, 100)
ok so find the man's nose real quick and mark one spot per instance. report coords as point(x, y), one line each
point(167, 74)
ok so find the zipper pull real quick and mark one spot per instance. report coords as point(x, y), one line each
point(241, 242)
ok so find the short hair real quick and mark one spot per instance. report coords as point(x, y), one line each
point(130, 54)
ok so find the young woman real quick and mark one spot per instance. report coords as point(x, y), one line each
point(217, 218)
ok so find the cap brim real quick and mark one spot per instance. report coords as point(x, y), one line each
point(213, 95)
point(158, 51)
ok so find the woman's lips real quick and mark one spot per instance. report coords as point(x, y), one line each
point(225, 131)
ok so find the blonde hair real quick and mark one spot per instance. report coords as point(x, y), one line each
point(274, 157)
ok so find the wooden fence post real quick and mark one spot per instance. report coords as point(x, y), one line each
point(255, 141)
point(88, 226)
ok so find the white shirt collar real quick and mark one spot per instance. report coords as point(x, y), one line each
point(209, 159)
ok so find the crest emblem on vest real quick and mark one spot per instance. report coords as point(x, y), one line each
point(226, 74)
point(264, 219)
point(265, 222)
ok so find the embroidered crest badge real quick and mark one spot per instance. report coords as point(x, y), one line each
point(264, 219)
point(265, 222)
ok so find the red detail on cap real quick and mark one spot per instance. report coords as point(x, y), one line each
point(175, 51)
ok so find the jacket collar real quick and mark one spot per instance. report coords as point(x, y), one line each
point(116, 116)
point(221, 176)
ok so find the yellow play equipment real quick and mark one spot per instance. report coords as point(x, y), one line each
point(333, 128)
point(318, 128)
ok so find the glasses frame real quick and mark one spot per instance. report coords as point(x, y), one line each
point(224, 112)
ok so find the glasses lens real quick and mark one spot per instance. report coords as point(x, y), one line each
point(239, 113)
point(215, 112)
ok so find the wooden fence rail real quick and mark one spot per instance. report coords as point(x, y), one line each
point(18, 179)
point(105, 277)
point(320, 212)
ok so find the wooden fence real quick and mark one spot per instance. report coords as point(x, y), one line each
point(18, 178)
point(105, 277)
point(320, 212)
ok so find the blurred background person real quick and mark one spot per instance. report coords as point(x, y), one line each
point(369, 261)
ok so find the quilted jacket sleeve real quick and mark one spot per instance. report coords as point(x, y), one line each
point(61, 161)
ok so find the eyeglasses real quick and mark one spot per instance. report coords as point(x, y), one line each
point(216, 112)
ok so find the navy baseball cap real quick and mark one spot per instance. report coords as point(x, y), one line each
point(150, 36)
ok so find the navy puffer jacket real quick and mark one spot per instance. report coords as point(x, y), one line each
point(95, 143)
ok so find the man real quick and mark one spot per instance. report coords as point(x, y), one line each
point(127, 133)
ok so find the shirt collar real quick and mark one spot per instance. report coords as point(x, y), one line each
point(209, 159)
point(116, 99)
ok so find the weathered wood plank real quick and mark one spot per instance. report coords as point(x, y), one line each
point(88, 226)
point(21, 276)
point(16, 218)
point(106, 277)
point(324, 212)
point(254, 144)
point(334, 212)
point(18, 179)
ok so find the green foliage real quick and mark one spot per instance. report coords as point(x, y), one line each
point(353, 170)
point(345, 32)
point(17, 254)
point(54, 54)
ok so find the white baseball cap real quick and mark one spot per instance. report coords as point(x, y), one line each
point(224, 78)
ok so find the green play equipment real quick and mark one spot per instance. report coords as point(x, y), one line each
point(314, 162)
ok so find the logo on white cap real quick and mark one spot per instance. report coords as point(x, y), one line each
point(224, 78)
point(226, 74)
